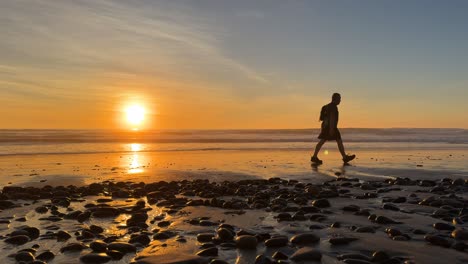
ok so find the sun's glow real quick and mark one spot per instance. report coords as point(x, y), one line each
point(135, 114)
point(326, 152)
point(135, 147)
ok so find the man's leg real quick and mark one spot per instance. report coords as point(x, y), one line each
point(346, 158)
point(318, 147)
point(341, 147)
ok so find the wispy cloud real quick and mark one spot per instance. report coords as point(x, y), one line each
point(76, 39)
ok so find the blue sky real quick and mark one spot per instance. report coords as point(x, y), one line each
point(233, 64)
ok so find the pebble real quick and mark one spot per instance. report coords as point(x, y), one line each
point(122, 247)
point(95, 258)
point(306, 254)
point(246, 242)
point(114, 254)
point(73, 247)
point(460, 234)
point(98, 246)
point(279, 241)
point(205, 237)
point(437, 240)
point(17, 240)
point(443, 226)
point(46, 256)
point(24, 256)
point(321, 203)
point(209, 252)
point(305, 238)
point(279, 255)
point(142, 239)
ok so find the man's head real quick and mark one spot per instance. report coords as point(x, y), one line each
point(336, 98)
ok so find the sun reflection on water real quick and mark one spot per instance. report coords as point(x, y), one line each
point(135, 165)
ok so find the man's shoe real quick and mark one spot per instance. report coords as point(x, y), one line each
point(315, 160)
point(348, 158)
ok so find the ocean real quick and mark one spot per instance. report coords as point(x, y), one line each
point(83, 156)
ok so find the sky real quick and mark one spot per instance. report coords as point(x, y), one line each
point(214, 64)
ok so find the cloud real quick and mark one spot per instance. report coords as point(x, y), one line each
point(76, 39)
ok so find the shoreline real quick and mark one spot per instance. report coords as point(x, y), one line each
point(344, 219)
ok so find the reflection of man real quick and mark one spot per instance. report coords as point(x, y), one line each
point(329, 118)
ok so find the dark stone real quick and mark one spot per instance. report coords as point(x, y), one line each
point(279, 241)
point(62, 236)
point(114, 254)
point(305, 238)
point(46, 256)
point(17, 240)
point(95, 258)
point(142, 239)
point(98, 246)
point(209, 252)
point(24, 256)
point(306, 254)
point(73, 247)
point(122, 247)
point(246, 242)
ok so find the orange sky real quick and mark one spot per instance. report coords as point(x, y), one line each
point(227, 65)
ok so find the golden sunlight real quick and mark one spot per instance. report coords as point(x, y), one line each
point(135, 114)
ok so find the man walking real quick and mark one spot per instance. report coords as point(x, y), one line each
point(329, 118)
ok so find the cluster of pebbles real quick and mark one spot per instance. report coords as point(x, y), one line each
point(287, 201)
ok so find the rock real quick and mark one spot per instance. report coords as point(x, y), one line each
point(62, 236)
point(279, 241)
point(354, 256)
point(385, 220)
point(172, 258)
point(380, 256)
point(46, 256)
point(114, 254)
point(246, 242)
point(164, 223)
point(24, 256)
point(96, 229)
point(142, 239)
point(122, 247)
point(365, 229)
point(341, 240)
point(204, 237)
point(284, 217)
point(17, 240)
point(305, 238)
point(460, 234)
point(389, 206)
point(437, 240)
point(98, 246)
point(73, 247)
point(262, 259)
point(209, 252)
point(306, 254)
point(279, 255)
point(95, 258)
point(218, 261)
point(104, 212)
point(225, 234)
point(321, 203)
point(41, 209)
point(443, 226)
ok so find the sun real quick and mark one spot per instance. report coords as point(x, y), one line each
point(135, 114)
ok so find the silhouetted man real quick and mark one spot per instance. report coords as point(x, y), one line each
point(329, 118)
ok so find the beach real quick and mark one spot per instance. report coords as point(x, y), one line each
point(233, 197)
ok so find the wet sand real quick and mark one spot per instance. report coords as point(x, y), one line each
point(343, 220)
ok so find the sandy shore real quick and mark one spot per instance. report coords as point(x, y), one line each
point(249, 221)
